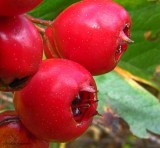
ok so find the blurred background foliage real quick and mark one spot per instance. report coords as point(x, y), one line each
point(129, 95)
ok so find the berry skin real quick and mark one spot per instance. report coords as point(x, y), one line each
point(14, 135)
point(59, 102)
point(16, 7)
point(93, 33)
point(49, 45)
point(21, 50)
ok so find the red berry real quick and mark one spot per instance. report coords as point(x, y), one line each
point(93, 33)
point(15, 7)
point(21, 51)
point(14, 134)
point(59, 102)
point(49, 45)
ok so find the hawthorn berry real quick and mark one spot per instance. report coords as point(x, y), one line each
point(16, 7)
point(14, 134)
point(59, 102)
point(49, 45)
point(21, 50)
point(94, 33)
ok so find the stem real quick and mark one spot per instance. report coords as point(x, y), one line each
point(38, 21)
point(40, 29)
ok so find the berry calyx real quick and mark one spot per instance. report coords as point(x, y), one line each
point(124, 40)
point(81, 105)
point(59, 102)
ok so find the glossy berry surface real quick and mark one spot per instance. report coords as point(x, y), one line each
point(21, 51)
point(59, 102)
point(94, 33)
point(16, 7)
point(14, 135)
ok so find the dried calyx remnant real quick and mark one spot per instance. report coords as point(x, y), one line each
point(124, 40)
point(84, 105)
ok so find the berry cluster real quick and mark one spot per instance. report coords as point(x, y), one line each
point(56, 99)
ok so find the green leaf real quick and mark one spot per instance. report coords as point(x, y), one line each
point(49, 9)
point(140, 75)
point(134, 104)
point(143, 56)
point(54, 145)
point(131, 5)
